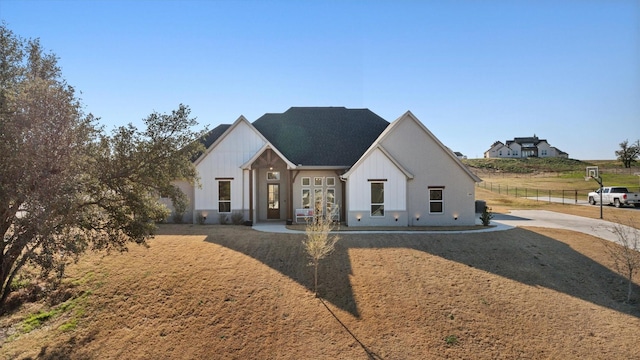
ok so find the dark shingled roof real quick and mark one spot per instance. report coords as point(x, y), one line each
point(213, 135)
point(322, 136)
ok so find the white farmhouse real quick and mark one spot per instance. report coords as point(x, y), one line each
point(523, 147)
point(292, 165)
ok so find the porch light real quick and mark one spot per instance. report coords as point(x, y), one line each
point(358, 217)
point(455, 216)
point(417, 217)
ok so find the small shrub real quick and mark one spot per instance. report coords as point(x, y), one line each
point(318, 243)
point(180, 208)
point(200, 219)
point(486, 216)
point(626, 252)
point(177, 218)
point(451, 340)
point(222, 218)
point(237, 218)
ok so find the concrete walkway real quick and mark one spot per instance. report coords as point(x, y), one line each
point(281, 228)
point(516, 218)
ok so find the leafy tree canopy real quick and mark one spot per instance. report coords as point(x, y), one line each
point(628, 153)
point(67, 186)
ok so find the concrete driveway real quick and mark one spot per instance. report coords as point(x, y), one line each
point(551, 219)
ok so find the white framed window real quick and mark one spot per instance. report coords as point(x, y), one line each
point(436, 200)
point(318, 201)
point(224, 196)
point(377, 199)
point(317, 181)
point(331, 199)
point(273, 175)
point(306, 198)
point(331, 181)
point(306, 181)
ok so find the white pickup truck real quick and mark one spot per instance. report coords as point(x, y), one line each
point(616, 195)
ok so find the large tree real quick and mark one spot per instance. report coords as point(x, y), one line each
point(65, 185)
point(628, 153)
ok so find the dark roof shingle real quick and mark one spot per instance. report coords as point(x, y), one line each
point(322, 136)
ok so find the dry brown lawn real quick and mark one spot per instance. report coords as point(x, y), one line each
point(229, 292)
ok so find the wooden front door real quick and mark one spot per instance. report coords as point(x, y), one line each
point(273, 201)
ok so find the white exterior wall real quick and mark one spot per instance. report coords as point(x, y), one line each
point(544, 147)
point(493, 152)
point(225, 161)
point(187, 189)
point(377, 166)
point(516, 150)
point(431, 166)
point(499, 151)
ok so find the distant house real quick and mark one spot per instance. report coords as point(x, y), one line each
point(523, 147)
point(305, 161)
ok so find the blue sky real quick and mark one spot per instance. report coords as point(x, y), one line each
point(472, 71)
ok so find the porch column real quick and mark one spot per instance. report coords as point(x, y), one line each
point(251, 171)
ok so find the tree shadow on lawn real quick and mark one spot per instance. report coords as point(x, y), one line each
point(517, 254)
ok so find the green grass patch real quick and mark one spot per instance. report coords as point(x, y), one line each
point(69, 325)
point(36, 320)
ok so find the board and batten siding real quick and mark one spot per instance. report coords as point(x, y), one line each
point(377, 166)
point(432, 165)
point(225, 161)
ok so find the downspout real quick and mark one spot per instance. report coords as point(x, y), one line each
point(290, 200)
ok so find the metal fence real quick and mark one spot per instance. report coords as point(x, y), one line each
point(569, 197)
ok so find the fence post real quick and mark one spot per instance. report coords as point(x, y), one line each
point(576, 195)
point(549, 195)
point(562, 196)
point(516, 191)
point(537, 195)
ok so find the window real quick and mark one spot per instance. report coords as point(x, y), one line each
point(273, 175)
point(317, 181)
point(306, 181)
point(436, 203)
point(306, 198)
point(317, 201)
point(377, 199)
point(331, 199)
point(331, 181)
point(224, 196)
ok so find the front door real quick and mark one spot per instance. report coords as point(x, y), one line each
point(273, 201)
